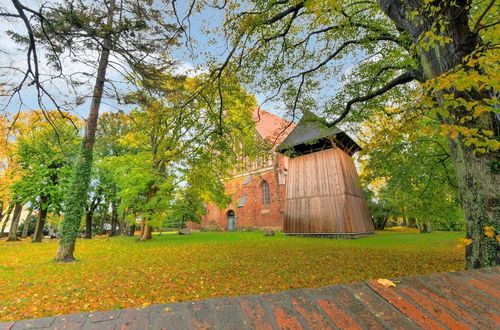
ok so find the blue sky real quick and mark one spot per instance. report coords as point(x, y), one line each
point(212, 45)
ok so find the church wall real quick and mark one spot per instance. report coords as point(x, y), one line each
point(253, 214)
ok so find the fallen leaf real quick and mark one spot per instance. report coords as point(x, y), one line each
point(489, 231)
point(385, 282)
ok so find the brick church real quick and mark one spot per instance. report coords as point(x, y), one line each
point(258, 192)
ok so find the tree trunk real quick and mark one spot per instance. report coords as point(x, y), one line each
point(77, 195)
point(14, 223)
point(131, 231)
point(380, 223)
point(6, 219)
point(102, 222)
point(477, 180)
point(426, 227)
point(146, 229)
point(114, 218)
point(88, 224)
point(123, 224)
point(27, 222)
point(40, 222)
point(1, 211)
point(146, 232)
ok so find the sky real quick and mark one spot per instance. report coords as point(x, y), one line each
point(215, 46)
point(14, 55)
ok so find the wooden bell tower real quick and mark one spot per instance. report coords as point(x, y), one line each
point(323, 194)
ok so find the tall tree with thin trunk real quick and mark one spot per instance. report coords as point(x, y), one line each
point(75, 202)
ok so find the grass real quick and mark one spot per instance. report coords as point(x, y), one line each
point(121, 272)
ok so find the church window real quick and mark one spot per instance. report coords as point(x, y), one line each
point(266, 194)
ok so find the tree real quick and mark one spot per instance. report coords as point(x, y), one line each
point(187, 207)
point(134, 38)
point(6, 219)
point(9, 169)
point(177, 139)
point(445, 52)
point(45, 157)
point(26, 224)
point(379, 209)
point(112, 127)
point(411, 173)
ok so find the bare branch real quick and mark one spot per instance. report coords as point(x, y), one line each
point(284, 13)
point(477, 26)
point(400, 80)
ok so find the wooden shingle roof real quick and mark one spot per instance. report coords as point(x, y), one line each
point(313, 134)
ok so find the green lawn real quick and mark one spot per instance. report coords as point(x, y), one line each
point(121, 272)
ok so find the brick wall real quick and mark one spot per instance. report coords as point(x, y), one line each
point(253, 213)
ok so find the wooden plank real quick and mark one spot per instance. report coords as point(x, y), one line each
point(324, 195)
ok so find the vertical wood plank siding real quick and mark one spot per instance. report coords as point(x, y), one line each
point(324, 195)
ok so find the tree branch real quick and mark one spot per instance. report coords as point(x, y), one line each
point(400, 80)
point(284, 13)
point(477, 26)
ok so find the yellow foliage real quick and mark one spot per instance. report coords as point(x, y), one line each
point(22, 124)
point(489, 231)
point(463, 242)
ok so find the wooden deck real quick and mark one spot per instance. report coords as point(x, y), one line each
point(461, 300)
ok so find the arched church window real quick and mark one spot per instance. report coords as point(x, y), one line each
point(266, 195)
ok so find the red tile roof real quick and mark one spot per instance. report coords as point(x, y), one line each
point(272, 127)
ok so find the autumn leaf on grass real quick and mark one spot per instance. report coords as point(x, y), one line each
point(385, 282)
point(167, 309)
point(463, 242)
point(489, 231)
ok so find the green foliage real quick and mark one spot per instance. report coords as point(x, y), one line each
point(410, 173)
point(45, 155)
point(170, 155)
point(187, 207)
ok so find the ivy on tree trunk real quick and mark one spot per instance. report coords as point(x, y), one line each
point(77, 194)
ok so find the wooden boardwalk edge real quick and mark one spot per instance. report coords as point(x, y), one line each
point(461, 300)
